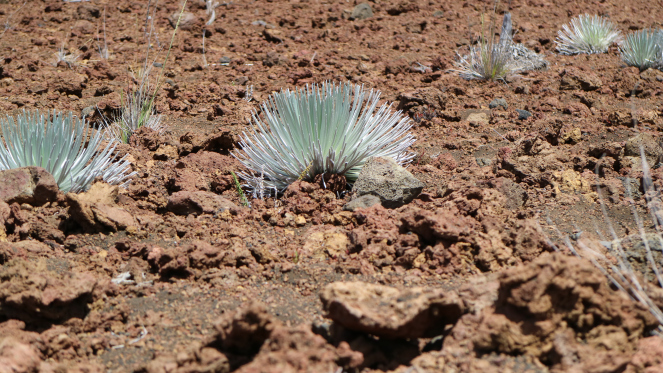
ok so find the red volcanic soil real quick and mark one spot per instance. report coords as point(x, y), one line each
point(174, 274)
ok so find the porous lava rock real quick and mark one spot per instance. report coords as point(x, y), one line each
point(5, 211)
point(251, 340)
point(573, 78)
point(388, 312)
point(96, 210)
point(191, 258)
point(28, 225)
point(202, 171)
point(22, 249)
point(362, 11)
point(186, 202)
point(560, 310)
point(362, 202)
point(651, 149)
point(32, 293)
point(384, 178)
point(17, 357)
point(649, 356)
point(32, 185)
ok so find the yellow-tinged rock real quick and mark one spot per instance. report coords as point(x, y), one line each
point(570, 181)
point(325, 244)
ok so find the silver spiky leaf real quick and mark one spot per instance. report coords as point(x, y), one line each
point(643, 49)
point(326, 128)
point(587, 34)
point(135, 113)
point(57, 143)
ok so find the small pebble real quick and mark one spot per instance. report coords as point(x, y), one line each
point(523, 114)
point(498, 102)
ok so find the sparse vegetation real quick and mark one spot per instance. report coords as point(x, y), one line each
point(240, 191)
point(8, 21)
point(495, 60)
point(139, 109)
point(63, 55)
point(103, 51)
point(587, 34)
point(643, 49)
point(326, 128)
point(63, 145)
point(277, 258)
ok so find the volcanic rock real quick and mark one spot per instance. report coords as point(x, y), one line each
point(362, 11)
point(32, 293)
point(362, 202)
point(185, 203)
point(96, 210)
point(384, 178)
point(32, 185)
point(388, 312)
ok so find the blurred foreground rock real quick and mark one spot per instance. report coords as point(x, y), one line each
point(387, 312)
point(32, 185)
point(251, 340)
point(34, 294)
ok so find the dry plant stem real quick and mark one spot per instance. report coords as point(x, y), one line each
point(204, 59)
point(163, 66)
point(651, 206)
point(139, 108)
point(625, 267)
point(103, 53)
point(211, 6)
point(248, 93)
point(63, 56)
point(148, 34)
point(7, 25)
point(634, 120)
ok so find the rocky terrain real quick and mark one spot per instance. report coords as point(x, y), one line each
point(176, 274)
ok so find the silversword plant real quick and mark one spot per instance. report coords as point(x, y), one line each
point(57, 143)
point(587, 34)
point(643, 49)
point(495, 60)
point(62, 55)
point(137, 110)
point(320, 129)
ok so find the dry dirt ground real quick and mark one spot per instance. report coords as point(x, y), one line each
point(173, 274)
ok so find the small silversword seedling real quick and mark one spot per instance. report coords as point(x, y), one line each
point(57, 143)
point(320, 129)
point(587, 34)
point(137, 110)
point(495, 60)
